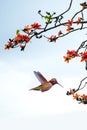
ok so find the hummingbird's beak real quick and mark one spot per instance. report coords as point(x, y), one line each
point(60, 85)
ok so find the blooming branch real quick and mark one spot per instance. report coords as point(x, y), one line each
point(36, 29)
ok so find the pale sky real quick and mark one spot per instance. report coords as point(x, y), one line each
point(23, 109)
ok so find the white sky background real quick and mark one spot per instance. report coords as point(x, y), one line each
point(23, 109)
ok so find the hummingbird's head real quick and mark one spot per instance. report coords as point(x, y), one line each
point(53, 81)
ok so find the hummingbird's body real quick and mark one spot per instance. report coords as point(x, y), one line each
point(45, 85)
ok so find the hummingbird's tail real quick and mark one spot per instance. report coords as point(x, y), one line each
point(36, 88)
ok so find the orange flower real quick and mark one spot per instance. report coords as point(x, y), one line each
point(70, 22)
point(35, 26)
point(22, 47)
point(84, 96)
point(72, 53)
point(67, 58)
point(79, 20)
point(27, 29)
point(59, 33)
point(75, 96)
point(52, 38)
point(71, 91)
point(20, 38)
point(69, 28)
point(84, 56)
point(26, 38)
point(8, 45)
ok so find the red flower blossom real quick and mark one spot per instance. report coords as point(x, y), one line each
point(26, 38)
point(69, 28)
point(84, 96)
point(72, 53)
point(8, 45)
point(84, 56)
point(27, 29)
point(52, 38)
point(70, 22)
point(21, 38)
point(22, 47)
point(67, 58)
point(75, 96)
point(35, 26)
point(59, 33)
point(71, 91)
point(79, 20)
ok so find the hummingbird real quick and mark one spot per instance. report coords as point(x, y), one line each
point(45, 84)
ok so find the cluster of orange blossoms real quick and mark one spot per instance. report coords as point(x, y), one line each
point(27, 29)
point(81, 98)
point(70, 22)
point(21, 39)
point(53, 38)
point(30, 30)
point(72, 54)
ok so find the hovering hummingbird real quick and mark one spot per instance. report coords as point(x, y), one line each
point(45, 85)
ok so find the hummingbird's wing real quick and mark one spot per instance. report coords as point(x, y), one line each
point(40, 77)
